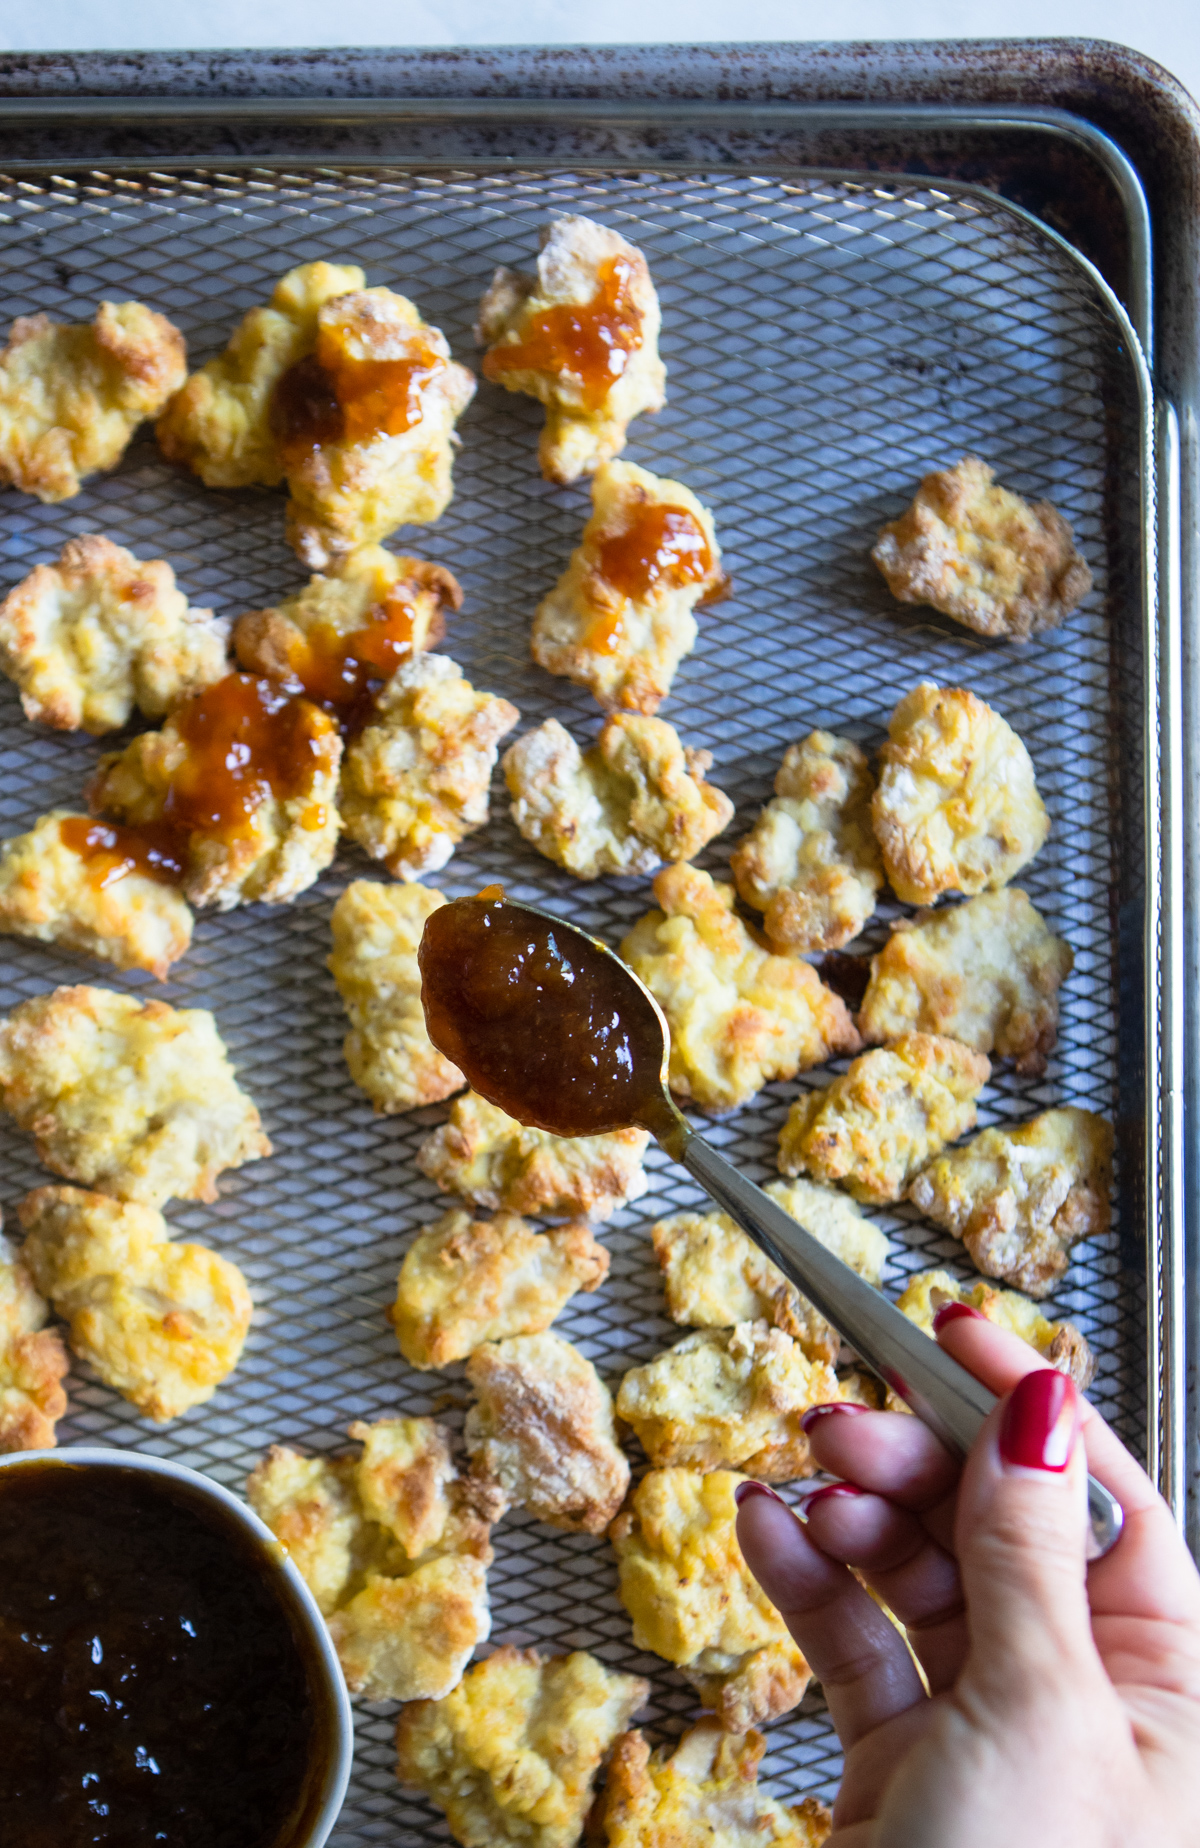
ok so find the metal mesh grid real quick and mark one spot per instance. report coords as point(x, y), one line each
point(826, 344)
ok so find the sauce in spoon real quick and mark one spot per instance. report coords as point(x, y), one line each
point(545, 1021)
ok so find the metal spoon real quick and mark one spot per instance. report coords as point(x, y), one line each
point(942, 1394)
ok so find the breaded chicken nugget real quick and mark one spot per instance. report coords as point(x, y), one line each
point(994, 562)
point(393, 1546)
point(343, 390)
point(492, 1160)
point(346, 632)
point(245, 775)
point(1020, 1198)
point(704, 1794)
point(619, 621)
point(415, 782)
point(582, 337)
point(715, 1276)
point(957, 808)
point(738, 1015)
point(1061, 1343)
point(91, 886)
point(133, 1098)
point(694, 1600)
point(728, 1398)
point(811, 864)
point(219, 424)
point(376, 936)
point(464, 1282)
point(72, 396)
point(102, 632)
point(542, 1432)
point(986, 972)
point(636, 798)
point(882, 1120)
point(33, 1361)
point(510, 1756)
point(163, 1323)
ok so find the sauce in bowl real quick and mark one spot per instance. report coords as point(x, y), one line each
point(155, 1683)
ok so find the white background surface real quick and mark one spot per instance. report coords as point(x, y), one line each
point(1168, 30)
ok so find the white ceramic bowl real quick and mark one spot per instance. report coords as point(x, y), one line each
point(295, 1595)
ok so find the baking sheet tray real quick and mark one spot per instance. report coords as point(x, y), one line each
point(827, 342)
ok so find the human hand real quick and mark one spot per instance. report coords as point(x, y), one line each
point(1064, 1700)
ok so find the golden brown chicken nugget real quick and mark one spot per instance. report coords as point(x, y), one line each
point(415, 781)
point(883, 1119)
point(542, 1432)
point(1021, 1198)
point(33, 1360)
point(91, 886)
point(492, 1160)
point(72, 396)
point(376, 935)
point(636, 798)
point(704, 1794)
point(996, 563)
point(986, 972)
point(244, 778)
point(715, 1276)
point(694, 1600)
point(619, 621)
point(100, 633)
point(162, 1322)
point(957, 808)
point(581, 336)
point(739, 1016)
point(465, 1281)
point(394, 1548)
point(135, 1099)
point(811, 863)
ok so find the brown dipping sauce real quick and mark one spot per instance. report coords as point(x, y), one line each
point(590, 340)
point(247, 741)
point(661, 545)
point(544, 1025)
point(343, 673)
point(154, 1685)
point(109, 852)
point(331, 396)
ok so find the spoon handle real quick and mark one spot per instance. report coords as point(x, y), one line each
point(941, 1393)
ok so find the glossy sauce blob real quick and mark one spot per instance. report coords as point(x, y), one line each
point(155, 1686)
point(332, 396)
point(110, 852)
point(661, 545)
point(590, 340)
point(542, 1022)
point(343, 673)
point(247, 740)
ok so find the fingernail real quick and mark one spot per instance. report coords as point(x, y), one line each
point(816, 1412)
point(829, 1491)
point(745, 1489)
point(950, 1312)
point(1040, 1421)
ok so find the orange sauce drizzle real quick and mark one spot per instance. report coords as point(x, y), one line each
point(110, 852)
point(661, 545)
point(246, 740)
point(591, 340)
point(331, 396)
point(343, 673)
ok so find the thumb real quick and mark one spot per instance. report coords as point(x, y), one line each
point(1021, 1525)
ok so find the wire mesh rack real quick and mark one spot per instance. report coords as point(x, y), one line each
point(827, 343)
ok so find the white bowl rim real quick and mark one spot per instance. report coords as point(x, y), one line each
point(337, 1775)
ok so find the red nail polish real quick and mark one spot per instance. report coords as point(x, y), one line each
point(745, 1489)
point(1040, 1421)
point(950, 1312)
point(816, 1412)
point(829, 1492)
